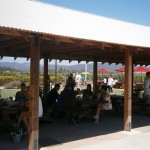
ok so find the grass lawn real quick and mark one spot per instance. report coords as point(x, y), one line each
point(118, 91)
point(6, 93)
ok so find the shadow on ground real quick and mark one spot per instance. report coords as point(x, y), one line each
point(58, 132)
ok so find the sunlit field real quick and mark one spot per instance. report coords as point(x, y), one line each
point(6, 93)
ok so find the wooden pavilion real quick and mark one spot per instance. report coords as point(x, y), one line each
point(35, 30)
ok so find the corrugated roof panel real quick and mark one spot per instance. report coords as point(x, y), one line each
point(40, 17)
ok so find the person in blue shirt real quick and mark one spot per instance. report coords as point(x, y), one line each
point(21, 96)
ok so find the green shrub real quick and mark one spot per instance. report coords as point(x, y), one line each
point(12, 85)
point(14, 80)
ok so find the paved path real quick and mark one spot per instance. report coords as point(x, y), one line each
point(137, 139)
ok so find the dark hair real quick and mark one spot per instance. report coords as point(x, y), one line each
point(57, 85)
point(147, 73)
point(89, 85)
point(23, 84)
point(104, 87)
point(70, 77)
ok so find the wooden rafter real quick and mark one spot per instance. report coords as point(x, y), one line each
point(15, 43)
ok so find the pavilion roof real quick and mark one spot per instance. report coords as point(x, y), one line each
point(69, 34)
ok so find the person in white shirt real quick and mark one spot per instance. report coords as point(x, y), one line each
point(24, 116)
point(110, 84)
point(147, 88)
point(114, 81)
point(78, 80)
point(105, 81)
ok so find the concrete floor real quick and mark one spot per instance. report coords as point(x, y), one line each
point(88, 135)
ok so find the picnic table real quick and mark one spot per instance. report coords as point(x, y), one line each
point(139, 86)
point(7, 109)
point(141, 107)
point(117, 102)
point(119, 85)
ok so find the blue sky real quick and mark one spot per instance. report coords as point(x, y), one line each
point(135, 11)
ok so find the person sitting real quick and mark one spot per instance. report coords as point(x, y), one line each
point(87, 93)
point(105, 103)
point(66, 98)
point(67, 101)
point(70, 81)
point(97, 92)
point(52, 96)
point(20, 100)
point(21, 96)
point(78, 91)
point(24, 116)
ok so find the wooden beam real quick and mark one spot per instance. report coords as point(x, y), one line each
point(70, 61)
point(87, 62)
point(9, 31)
point(46, 83)
point(17, 53)
point(56, 38)
point(14, 32)
point(25, 35)
point(60, 61)
point(79, 61)
point(116, 63)
point(94, 76)
point(55, 71)
point(62, 48)
point(18, 46)
point(128, 90)
point(34, 92)
point(11, 42)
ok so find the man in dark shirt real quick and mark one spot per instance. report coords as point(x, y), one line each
point(52, 96)
point(21, 96)
point(87, 93)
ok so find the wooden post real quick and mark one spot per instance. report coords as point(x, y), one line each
point(94, 75)
point(55, 71)
point(34, 92)
point(46, 88)
point(85, 80)
point(128, 90)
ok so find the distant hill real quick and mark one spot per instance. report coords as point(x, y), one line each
point(25, 67)
point(6, 69)
point(16, 66)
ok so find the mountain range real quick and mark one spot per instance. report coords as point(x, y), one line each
point(25, 67)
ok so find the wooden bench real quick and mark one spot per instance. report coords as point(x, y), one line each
point(66, 112)
point(83, 114)
point(141, 108)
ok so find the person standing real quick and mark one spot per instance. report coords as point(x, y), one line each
point(70, 81)
point(78, 80)
point(110, 84)
point(147, 88)
point(105, 81)
point(49, 86)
